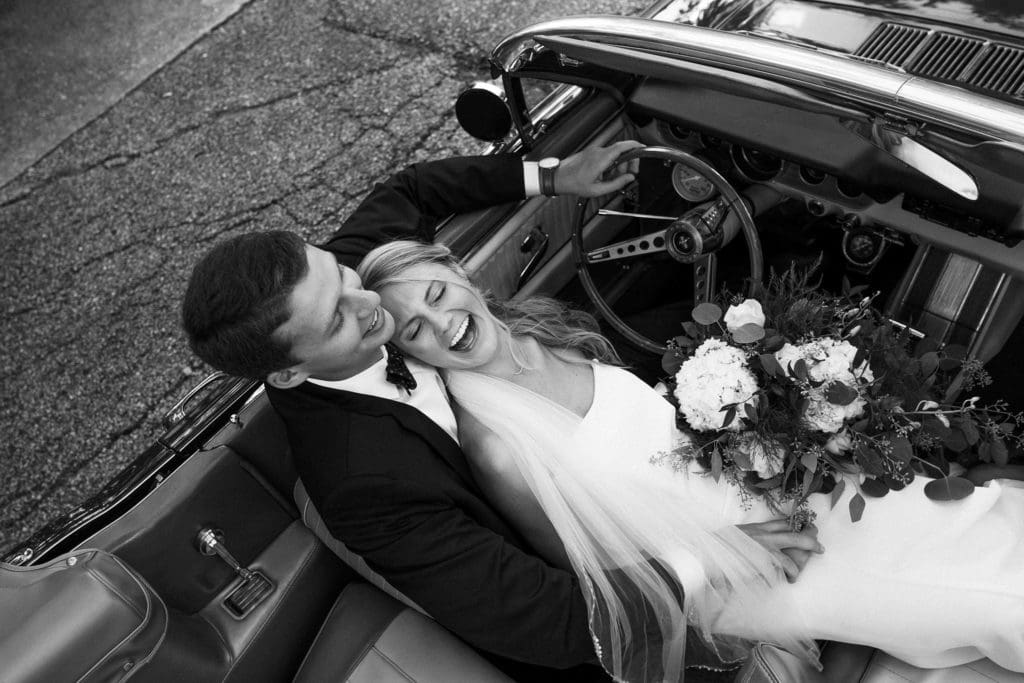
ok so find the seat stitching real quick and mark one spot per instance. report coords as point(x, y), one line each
point(393, 663)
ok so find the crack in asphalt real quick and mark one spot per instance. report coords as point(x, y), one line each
point(123, 157)
point(68, 472)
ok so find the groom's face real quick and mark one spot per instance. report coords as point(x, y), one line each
point(336, 327)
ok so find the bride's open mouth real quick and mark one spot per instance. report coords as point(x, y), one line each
point(465, 336)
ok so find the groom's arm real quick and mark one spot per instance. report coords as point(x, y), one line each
point(411, 203)
point(469, 578)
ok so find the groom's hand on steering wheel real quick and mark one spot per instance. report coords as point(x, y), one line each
point(790, 548)
point(592, 172)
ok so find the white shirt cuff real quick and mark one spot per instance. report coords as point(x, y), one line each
point(531, 178)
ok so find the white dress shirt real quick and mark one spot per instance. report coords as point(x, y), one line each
point(429, 397)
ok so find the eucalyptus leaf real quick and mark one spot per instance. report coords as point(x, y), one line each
point(751, 413)
point(800, 369)
point(671, 362)
point(875, 488)
point(769, 484)
point(956, 441)
point(808, 481)
point(730, 415)
point(902, 449)
point(856, 507)
point(837, 492)
point(970, 431)
point(839, 394)
point(707, 314)
point(860, 356)
point(691, 329)
point(716, 464)
point(770, 364)
point(949, 488)
point(809, 461)
point(929, 363)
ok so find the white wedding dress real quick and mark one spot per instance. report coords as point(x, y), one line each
point(933, 583)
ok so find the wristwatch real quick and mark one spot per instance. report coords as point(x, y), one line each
point(547, 167)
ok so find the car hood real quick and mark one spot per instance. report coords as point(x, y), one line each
point(845, 24)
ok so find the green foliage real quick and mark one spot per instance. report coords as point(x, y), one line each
point(905, 426)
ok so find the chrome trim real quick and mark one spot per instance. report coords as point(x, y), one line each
point(177, 413)
point(794, 65)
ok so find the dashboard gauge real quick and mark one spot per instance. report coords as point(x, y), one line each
point(690, 185)
point(862, 247)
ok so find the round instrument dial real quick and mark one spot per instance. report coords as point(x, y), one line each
point(690, 185)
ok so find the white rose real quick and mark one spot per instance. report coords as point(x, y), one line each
point(838, 444)
point(828, 360)
point(748, 312)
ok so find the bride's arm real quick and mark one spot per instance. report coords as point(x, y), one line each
point(504, 486)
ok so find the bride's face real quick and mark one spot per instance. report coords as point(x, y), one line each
point(441, 319)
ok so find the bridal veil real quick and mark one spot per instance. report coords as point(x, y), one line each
point(637, 540)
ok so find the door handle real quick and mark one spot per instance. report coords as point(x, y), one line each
point(537, 241)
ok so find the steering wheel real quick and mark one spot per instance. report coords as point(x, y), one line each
point(692, 238)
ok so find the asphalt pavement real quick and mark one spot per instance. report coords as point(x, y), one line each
point(279, 116)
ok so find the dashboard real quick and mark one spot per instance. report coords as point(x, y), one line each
point(806, 150)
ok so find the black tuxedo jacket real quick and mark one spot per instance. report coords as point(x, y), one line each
point(396, 489)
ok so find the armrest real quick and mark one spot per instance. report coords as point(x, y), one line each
point(370, 637)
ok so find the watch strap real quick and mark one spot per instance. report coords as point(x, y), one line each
point(547, 180)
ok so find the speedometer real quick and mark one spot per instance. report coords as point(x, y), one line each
point(690, 185)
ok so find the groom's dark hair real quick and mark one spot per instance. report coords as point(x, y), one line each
point(237, 296)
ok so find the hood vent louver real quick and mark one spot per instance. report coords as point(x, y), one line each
point(995, 67)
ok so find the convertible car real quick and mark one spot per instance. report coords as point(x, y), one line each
point(884, 138)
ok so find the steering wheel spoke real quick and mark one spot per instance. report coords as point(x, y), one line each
point(705, 272)
point(640, 246)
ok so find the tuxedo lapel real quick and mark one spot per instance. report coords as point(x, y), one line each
point(409, 417)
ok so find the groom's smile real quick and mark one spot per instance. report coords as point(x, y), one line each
point(335, 327)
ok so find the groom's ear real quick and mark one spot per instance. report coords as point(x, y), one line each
point(289, 378)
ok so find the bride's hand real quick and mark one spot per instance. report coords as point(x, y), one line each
point(791, 549)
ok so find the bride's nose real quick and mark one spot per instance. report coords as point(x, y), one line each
point(440, 323)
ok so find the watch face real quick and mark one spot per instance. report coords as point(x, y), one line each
point(548, 162)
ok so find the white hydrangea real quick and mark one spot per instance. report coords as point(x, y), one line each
point(828, 360)
point(716, 375)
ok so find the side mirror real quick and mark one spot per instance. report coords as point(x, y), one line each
point(482, 111)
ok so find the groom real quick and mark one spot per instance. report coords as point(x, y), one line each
point(381, 463)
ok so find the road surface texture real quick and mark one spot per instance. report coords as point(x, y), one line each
point(275, 114)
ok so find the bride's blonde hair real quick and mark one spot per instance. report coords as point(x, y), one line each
point(552, 323)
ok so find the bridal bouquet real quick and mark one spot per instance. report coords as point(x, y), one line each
point(796, 392)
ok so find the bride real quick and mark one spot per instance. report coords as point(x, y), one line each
point(563, 442)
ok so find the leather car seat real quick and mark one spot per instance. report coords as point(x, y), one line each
point(370, 637)
point(844, 662)
point(84, 616)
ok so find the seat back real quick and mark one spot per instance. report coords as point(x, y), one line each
point(371, 638)
point(312, 519)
